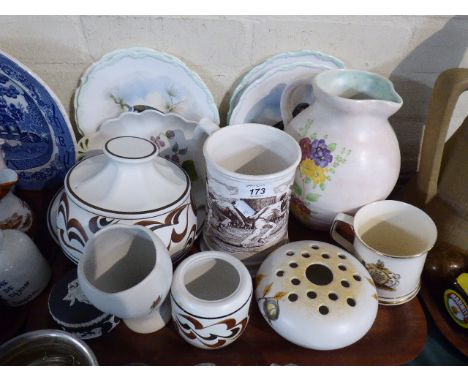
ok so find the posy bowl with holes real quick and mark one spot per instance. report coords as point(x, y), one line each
point(210, 295)
point(316, 295)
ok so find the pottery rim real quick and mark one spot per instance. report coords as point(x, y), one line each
point(407, 206)
point(394, 101)
point(286, 139)
point(86, 257)
point(227, 305)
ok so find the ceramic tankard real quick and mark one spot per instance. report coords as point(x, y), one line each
point(348, 146)
point(391, 239)
point(250, 170)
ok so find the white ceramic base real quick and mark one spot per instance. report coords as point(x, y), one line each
point(153, 322)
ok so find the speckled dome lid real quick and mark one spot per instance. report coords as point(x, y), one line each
point(316, 295)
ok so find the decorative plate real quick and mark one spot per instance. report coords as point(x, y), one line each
point(282, 59)
point(260, 101)
point(39, 140)
point(127, 79)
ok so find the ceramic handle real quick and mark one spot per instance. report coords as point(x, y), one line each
point(448, 87)
point(286, 104)
point(339, 238)
point(205, 127)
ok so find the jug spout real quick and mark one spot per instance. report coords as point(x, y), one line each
point(358, 91)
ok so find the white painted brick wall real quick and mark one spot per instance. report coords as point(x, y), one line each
point(411, 50)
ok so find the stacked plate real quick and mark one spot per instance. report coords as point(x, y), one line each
point(257, 97)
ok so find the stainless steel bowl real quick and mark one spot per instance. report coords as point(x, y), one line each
point(46, 348)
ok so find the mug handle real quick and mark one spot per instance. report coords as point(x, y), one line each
point(339, 238)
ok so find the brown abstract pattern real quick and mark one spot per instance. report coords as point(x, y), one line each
point(172, 219)
point(73, 235)
point(16, 221)
point(73, 231)
point(190, 328)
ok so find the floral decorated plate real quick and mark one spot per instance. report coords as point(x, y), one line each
point(179, 140)
point(282, 59)
point(126, 79)
point(39, 143)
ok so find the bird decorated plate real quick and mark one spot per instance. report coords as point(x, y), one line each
point(129, 79)
point(38, 140)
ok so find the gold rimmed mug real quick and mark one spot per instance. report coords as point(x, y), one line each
point(391, 239)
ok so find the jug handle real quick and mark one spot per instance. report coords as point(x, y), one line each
point(448, 87)
point(205, 127)
point(285, 102)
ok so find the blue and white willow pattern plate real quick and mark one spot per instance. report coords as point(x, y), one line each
point(39, 143)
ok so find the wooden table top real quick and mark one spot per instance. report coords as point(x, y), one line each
point(397, 336)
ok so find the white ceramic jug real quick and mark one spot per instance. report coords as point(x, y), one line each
point(24, 273)
point(350, 153)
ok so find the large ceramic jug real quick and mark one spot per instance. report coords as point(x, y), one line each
point(350, 153)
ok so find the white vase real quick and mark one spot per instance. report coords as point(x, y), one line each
point(127, 271)
point(350, 153)
point(24, 273)
point(210, 295)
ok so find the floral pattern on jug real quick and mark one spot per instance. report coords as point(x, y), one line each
point(320, 161)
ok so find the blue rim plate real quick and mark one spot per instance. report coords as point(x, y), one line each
point(39, 143)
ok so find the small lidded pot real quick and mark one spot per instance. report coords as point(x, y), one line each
point(210, 295)
point(127, 184)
